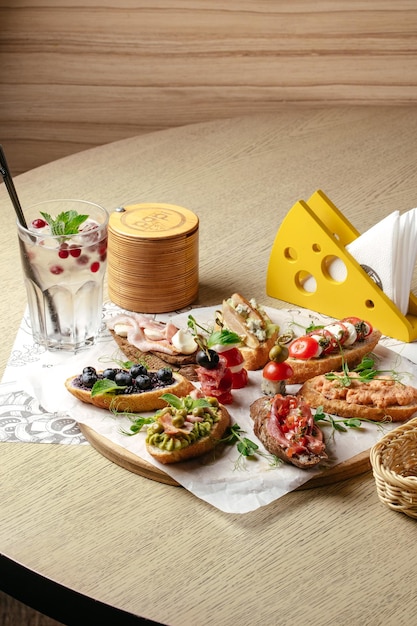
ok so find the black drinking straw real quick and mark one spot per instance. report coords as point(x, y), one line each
point(8, 181)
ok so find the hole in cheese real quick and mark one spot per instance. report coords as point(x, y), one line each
point(290, 254)
point(334, 268)
point(305, 282)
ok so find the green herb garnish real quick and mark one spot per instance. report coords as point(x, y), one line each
point(344, 424)
point(364, 372)
point(341, 425)
point(208, 337)
point(67, 223)
point(247, 449)
point(223, 337)
point(138, 422)
point(104, 385)
point(186, 403)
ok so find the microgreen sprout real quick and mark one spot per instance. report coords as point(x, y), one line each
point(247, 449)
point(344, 424)
point(364, 372)
point(138, 422)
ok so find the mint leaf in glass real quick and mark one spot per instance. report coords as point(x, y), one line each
point(66, 223)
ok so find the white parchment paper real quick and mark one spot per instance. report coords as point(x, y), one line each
point(228, 482)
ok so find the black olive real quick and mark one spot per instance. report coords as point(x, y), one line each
point(109, 373)
point(138, 370)
point(143, 382)
point(208, 359)
point(123, 379)
point(164, 374)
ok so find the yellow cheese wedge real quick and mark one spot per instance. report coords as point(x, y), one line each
point(310, 240)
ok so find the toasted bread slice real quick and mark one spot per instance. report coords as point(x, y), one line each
point(256, 358)
point(377, 400)
point(183, 363)
point(253, 325)
point(260, 411)
point(133, 402)
point(197, 448)
point(351, 355)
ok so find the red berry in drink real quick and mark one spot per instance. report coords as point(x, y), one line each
point(83, 259)
point(63, 251)
point(56, 269)
point(95, 267)
point(39, 223)
point(75, 252)
point(102, 246)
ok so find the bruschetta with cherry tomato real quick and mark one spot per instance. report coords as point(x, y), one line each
point(286, 427)
point(326, 348)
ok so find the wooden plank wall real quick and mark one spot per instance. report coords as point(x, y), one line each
point(78, 73)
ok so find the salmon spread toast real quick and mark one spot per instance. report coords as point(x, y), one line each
point(378, 399)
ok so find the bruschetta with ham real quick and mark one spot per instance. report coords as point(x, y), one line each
point(186, 428)
point(156, 343)
point(285, 425)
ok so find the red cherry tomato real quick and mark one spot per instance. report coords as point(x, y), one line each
point(327, 341)
point(277, 371)
point(353, 320)
point(240, 379)
point(233, 357)
point(363, 328)
point(225, 398)
point(305, 347)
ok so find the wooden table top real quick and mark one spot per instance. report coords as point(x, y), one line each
point(330, 555)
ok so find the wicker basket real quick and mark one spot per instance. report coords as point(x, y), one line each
point(394, 465)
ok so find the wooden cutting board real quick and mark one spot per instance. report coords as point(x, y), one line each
point(358, 464)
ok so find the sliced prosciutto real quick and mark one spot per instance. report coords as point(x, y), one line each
point(216, 382)
point(286, 427)
point(145, 333)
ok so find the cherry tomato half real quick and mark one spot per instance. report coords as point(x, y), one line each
point(277, 371)
point(233, 357)
point(240, 379)
point(305, 347)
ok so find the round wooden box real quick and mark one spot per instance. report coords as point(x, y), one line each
point(153, 257)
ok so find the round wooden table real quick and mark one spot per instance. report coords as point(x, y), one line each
point(72, 521)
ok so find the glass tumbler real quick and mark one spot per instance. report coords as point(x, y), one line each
point(64, 271)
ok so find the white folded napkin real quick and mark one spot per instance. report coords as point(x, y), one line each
point(387, 252)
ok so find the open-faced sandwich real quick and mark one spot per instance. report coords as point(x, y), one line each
point(256, 330)
point(348, 394)
point(285, 425)
point(326, 348)
point(134, 390)
point(142, 338)
point(186, 428)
